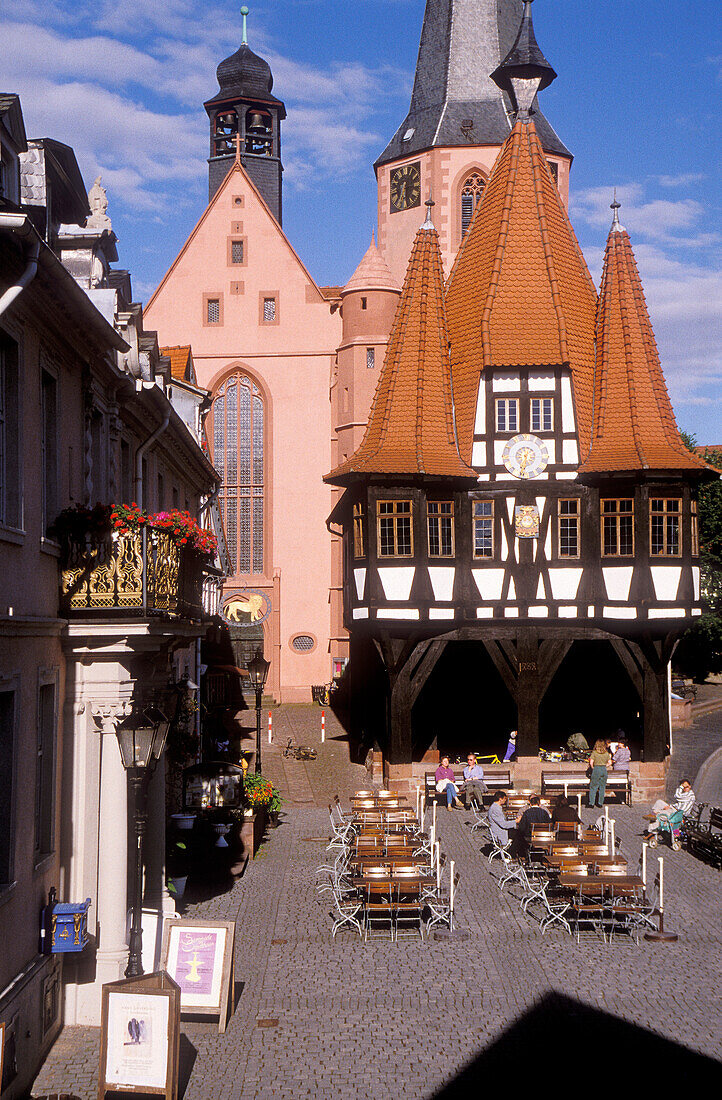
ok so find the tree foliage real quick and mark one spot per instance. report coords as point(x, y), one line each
point(700, 649)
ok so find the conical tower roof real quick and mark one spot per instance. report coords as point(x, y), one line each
point(634, 426)
point(520, 293)
point(373, 273)
point(410, 431)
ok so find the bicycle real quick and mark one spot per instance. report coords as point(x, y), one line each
point(299, 752)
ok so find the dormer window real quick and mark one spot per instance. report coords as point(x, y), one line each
point(224, 133)
point(542, 414)
point(507, 414)
point(259, 132)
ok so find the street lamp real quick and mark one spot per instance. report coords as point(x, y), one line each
point(141, 740)
point(258, 671)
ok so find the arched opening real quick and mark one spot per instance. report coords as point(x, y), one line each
point(223, 132)
point(239, 437)
point(259, 132)
point(471, 191)
point(590, 693)
point(464, 705)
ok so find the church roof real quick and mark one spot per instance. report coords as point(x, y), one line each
point(373, 273)
point(462, 43)
point(410, 429)
point(520, 293)
point(634, 426)
point(244, 75)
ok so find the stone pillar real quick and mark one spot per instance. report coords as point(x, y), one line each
point(112, 905)
point(528, 695)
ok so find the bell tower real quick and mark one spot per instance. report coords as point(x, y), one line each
point(245, 113)
point(458, 120)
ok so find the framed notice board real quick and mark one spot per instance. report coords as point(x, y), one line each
point(199, 957)
point(140, 1036)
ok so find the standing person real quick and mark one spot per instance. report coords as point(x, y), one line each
point(474, 785)
point(598, 762)
point(622, 757)
point(511, 747)
point(500, 826)
point(534, 814)
point(446, 782)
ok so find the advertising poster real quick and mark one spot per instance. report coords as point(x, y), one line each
point(195, 961)
point(137, 1050)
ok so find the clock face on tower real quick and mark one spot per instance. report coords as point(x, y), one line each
point(405, 187)
point(525, 456)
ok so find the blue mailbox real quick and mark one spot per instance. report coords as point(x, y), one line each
point(64, 926)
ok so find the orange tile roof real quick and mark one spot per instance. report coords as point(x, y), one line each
point(634, 425)
point(180, 362)
point(410, 430)
point(520, 293)
point(373, 273)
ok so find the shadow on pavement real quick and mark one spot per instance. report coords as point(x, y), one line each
point(583, 1048)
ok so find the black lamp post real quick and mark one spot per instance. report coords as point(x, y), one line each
point(258, 671)
point(141, 740)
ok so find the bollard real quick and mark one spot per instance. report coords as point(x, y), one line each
point(270, 728)
point(323, 726)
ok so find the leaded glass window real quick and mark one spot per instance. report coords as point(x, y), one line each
point(664, 527)
point(471, 194)
point(440, 526)
point(238, 455)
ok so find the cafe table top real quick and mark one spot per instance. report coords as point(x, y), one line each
point(384, 881)
point(600, 880)
point(389, 861)
point(600, 861)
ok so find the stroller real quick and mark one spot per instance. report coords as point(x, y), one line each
point(669, 825)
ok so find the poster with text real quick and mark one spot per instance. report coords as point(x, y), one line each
point(195, 962)
point(137, 1051)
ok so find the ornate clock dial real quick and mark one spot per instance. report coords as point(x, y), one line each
point(525, 456)
point(405, 187)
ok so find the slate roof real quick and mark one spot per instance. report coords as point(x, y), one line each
point(245, 75)
point(520, 293)
point(634, 425)
point(373, 273)
point(410, 429)
point(462, 43)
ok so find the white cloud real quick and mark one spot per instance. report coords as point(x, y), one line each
point(683, 180)
point(659, 219)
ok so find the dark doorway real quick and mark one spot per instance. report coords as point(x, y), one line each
point(464, 705)
point(246, 640)
point(590, 693)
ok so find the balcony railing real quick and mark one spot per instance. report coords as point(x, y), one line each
point(143, 572)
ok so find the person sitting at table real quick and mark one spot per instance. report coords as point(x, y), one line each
point(684, 800)
point(563, 811)
point(534, 814)
point(621, 757)
point(501, 827)
point(446, 783)
point(474, 785)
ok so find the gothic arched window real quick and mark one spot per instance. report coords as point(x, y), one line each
point(471, 193)
point(238, 443)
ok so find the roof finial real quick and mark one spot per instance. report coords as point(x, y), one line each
point(525, 70)
point(617, 227)
point(429, 204)
point(244, 13)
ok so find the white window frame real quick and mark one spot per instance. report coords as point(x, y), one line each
point(540, 406)
point(503, 408)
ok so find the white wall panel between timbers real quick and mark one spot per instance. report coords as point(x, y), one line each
point(489, 582)
point(480, 424)
point(695, 581)
point(667, 613)
point(618, 579)
point(568, 424)
point(360, 612)
point(666, 581)
point(541, 380)
point(360, 578)
point(398, 613)
point(565, 583)
point(442, 581)
point(442, 613)
point(397, 581)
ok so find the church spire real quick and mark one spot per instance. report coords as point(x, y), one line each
point(525, 70)
point(411, 429)
point(455, 101)
point(634, 426)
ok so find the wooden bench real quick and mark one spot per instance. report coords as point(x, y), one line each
point(495, 778)
point(578, 783)
point(704, 839)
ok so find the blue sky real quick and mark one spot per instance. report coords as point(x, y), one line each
point(637, 101)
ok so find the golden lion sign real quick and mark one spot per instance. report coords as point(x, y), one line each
point(247, 608)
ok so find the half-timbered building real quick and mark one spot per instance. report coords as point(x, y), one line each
point(519, 520)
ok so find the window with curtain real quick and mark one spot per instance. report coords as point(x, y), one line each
point(238, 445)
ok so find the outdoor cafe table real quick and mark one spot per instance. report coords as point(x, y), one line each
point(580, 857)
point(389, 861)
point(598, 882)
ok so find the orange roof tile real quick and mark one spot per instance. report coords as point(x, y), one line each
point(520, 293)
point(634, 425)
point(373, 273)
point(410, 430)
point(181, 366)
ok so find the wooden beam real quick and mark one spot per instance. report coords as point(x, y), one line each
point(630, 664)
point(551, 654)
point(506, 669)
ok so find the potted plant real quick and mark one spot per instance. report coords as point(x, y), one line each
point(274, 808)
point(177, 868)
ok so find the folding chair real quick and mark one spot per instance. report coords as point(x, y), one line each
point(481, 819)
point(407, 909)
point(554, 909)
point(441, 908)
point(347, 907)
point(497, 848)
point(379, 900)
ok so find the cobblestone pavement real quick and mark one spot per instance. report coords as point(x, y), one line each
point(318, 1018)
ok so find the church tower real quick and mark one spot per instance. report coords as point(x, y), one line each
point(245, 113)
point(457, 122)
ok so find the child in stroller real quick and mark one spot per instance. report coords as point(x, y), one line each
point(666, 818)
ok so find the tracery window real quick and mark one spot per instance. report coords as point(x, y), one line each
point(471, 193)
point(238, 453)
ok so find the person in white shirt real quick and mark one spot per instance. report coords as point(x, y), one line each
point(684, 799)
point(474, 785)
